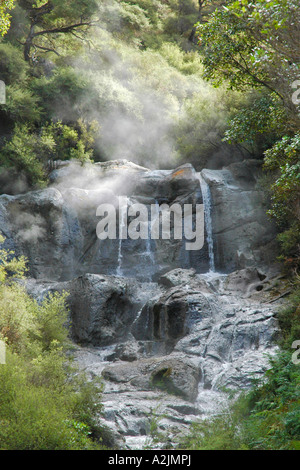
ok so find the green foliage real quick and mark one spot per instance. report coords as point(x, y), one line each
point(5, 7)
point(186, 62)
point(22, 152)
point(45, 19)
point(67, 143)
point(134, 17)
point(258, 124)
point(10, 265)
point(220, 434)
point(289, 318)
point(282, 161)
point(274, 420)
point(29, 150)
point(147, 24)
point(251, 44)
point(21, 104)
point(13, 68)
point(45, 403)
point(65, 95)
point(203, 121)
point(38, 415)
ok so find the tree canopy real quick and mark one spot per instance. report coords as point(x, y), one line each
point(254, 44)
point(45, 19)
point(5, 7)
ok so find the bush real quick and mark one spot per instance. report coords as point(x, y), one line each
point(13, 68)
point(39, 414)
point(29, 150)
point(275, 414)
point(282, 161)
point(22, 106)
point(23, 153)
point(45, 403)
point(65, 96)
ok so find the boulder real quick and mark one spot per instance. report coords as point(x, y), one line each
point(246, 280)
point(173, 375)
point(177, 277)
point(103, 308)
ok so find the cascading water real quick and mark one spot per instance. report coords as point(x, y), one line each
point(122, 228)
point(208, 220)
point(149, 253)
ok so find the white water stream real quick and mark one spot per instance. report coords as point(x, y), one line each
point(208, 220)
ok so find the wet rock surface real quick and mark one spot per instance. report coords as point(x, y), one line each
point(243, 235)
point(56, 227)
point(165, 335)
point(227, 342)
point(154, 370)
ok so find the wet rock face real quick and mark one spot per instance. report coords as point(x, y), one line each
point(243, 234)
point(172, 345)
point(167, 319)
point(222, 339)
point(55, 228)
point(179, 339)
point(163, 319)
point(103, 308)
point(178, 377)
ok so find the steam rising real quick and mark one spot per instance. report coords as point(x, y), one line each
point(32, 228)
point(145, 103)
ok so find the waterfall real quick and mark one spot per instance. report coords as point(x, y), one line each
point(149, 253)
point(208, 220)
point(122, 230)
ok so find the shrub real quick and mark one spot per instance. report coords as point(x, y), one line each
point(45, 402)
point(13, 67)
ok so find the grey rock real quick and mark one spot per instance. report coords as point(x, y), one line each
point(55, 228)
point(177, 277)
point(243, 234)
point(173, 375)
point(104, 307)
point(247, 280)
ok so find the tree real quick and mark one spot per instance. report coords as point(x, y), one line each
point(203, 8)
point(254, 44)
point(5, 7)
point(47, 19)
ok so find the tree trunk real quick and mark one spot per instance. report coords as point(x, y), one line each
point(28, 43)
point(192, 37)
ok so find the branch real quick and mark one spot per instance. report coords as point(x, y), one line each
point(245, 68)
point(64, 29)
point(47, 49)
point(35, 13)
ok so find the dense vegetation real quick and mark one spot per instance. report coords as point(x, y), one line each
point(45, 402)
point(97, 80)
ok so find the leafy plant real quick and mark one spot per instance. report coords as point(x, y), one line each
point(45, 402)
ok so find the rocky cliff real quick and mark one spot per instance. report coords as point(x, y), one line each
point(164, 327)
